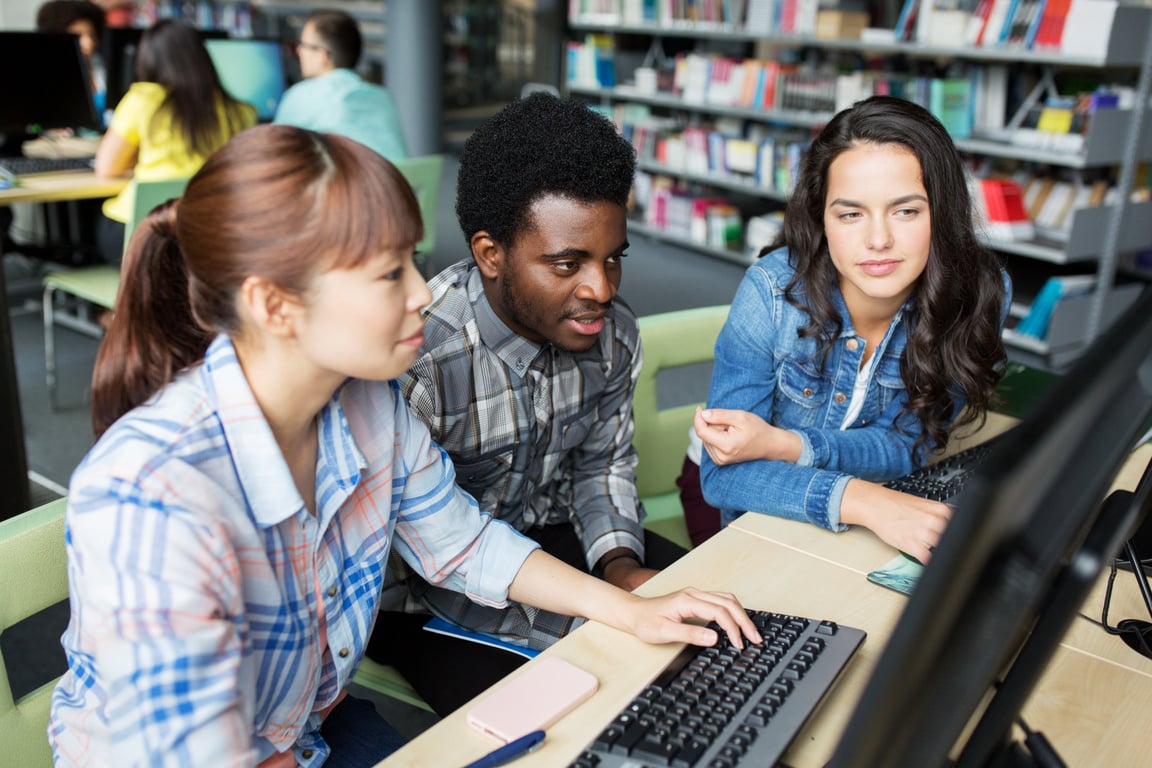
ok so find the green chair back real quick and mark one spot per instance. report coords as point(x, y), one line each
point(424, 174)
point(33, 576)
point(670, 340)
point(146, 195)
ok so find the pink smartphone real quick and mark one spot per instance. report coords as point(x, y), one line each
point(547, 690)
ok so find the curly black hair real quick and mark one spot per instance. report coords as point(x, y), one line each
point(540, 145)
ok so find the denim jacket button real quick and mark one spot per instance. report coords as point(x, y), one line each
point(807, 391)
point(852, 344)
point(840, 398)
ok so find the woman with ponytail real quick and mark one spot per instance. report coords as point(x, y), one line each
point(229, 532)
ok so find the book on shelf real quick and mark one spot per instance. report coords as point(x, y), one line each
point(760, 17)
point(1051, 27)
point(1088, 28)
point(996, 20)
point(990, 99)
point(906, 20)
point(1003, 207)
point(949, 99)
point(1055, 289)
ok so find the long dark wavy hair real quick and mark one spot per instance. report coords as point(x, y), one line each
point(173, 55)
point(279, 202)
point(954, 349)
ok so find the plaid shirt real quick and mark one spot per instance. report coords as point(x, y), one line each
point(538, 436)
point(214, 619)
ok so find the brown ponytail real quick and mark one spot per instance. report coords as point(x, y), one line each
point(153, 334)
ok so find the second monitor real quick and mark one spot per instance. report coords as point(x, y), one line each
point(251, 70)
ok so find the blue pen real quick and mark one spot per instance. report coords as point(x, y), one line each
point(509, 751)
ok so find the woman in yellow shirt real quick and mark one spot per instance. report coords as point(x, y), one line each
point(167, 124)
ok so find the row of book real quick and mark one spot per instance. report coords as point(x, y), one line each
point(671, 207)
point(710, 220)
point(762, 85)
point(1067, 26)
point(1073, 27)
point(730, 14)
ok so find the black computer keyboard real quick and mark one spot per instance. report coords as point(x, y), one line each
point(720, 707)
point(943, 480)
point(29, 166)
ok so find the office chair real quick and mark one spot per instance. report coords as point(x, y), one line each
point(424, 174)
point(670, 340)
point(96, 285)
point(33, 576)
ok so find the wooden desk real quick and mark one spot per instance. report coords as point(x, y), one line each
point(1088, 702)
point(50, 187)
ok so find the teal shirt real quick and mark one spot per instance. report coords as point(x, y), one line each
point(341, 102)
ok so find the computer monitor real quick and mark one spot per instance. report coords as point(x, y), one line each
point(251, 70)
point(46, 85)
point(1025, 545)
point(118, 48)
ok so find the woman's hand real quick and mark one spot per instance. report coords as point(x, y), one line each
point(731, 437)
point(545, 582)
point(662, 619)
point(911, 524)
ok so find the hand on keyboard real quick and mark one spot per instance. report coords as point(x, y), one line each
point(909, 523)
point(661, 619)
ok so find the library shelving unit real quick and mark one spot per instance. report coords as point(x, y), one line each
point(1116, 139)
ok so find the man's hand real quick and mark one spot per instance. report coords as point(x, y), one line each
point(622, 568)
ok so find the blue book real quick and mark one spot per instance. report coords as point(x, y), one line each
point(443, 627)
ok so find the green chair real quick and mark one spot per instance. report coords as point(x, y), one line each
point(95, 285)
point(424, 174)
point(33, 576)
point(670, 340)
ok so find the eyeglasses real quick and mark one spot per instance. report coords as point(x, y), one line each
point(310, 46)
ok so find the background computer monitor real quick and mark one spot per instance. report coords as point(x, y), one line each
point(1023, 549)
point(118, 48)
point(251, 70)
point(46, 85)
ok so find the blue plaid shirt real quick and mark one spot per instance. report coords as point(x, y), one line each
point(213, 618)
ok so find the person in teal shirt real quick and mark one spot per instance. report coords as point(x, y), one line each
point(332, 97)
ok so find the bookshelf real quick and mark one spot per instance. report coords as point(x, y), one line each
point(1116, 141)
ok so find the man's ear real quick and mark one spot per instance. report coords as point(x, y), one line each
point(489, 254)
point(268, 306)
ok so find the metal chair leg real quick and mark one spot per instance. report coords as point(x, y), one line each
point(50, 344)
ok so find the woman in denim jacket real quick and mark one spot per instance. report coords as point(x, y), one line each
point(851, 351)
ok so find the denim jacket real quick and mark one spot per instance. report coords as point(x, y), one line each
point(764, 367)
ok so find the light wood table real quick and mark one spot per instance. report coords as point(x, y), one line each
point(1090, 701)
point(71, 185)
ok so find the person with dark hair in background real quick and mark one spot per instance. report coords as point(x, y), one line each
point(171, 119)
point(861, 339)
point(78, 17)
point(526, 379)
point(333, 97)
point(229, 532)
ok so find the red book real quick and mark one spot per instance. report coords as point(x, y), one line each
point(1052, 24)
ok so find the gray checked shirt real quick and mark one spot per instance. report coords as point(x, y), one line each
point(537, 435)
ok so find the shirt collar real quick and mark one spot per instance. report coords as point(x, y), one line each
point(264, 476)
point(514, 350)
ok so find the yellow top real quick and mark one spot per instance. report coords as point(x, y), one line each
point(162, 152)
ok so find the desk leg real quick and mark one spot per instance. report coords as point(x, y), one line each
point(15, 495)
